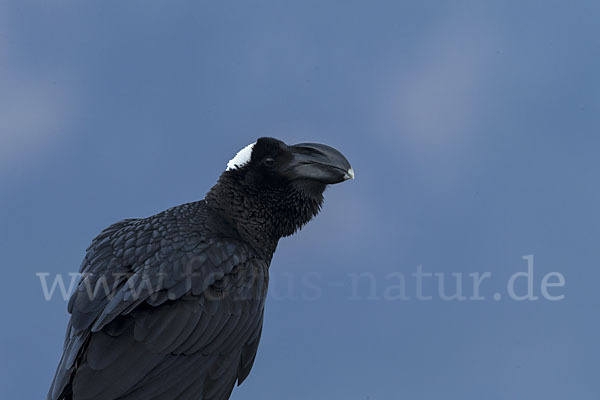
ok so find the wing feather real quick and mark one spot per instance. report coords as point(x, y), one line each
point(175, 313)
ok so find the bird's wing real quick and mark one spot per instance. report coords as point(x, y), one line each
point(181, 317)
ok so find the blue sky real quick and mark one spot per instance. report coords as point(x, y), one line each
point(473, 128)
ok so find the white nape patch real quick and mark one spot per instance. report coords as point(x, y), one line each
point(241, 158)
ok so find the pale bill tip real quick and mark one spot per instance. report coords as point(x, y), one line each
point(349, 174)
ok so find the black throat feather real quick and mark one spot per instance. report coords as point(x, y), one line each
point(264, 213)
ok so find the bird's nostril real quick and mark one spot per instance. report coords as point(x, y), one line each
point(309, 151)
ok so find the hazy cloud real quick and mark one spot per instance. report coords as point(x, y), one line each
point(431, 104)
point(34, 110)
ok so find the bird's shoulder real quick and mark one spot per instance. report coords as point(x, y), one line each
point(184, 250)
point(179, 228)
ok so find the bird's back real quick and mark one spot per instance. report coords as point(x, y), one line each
point(169, 306)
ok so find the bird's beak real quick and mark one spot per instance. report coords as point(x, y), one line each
point(318, 162)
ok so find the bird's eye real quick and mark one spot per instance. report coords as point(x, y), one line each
point(269, 162)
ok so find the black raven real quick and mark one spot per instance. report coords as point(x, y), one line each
point(171, 306)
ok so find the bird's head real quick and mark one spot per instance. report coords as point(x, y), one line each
point(280, 182)
point(271, 164)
